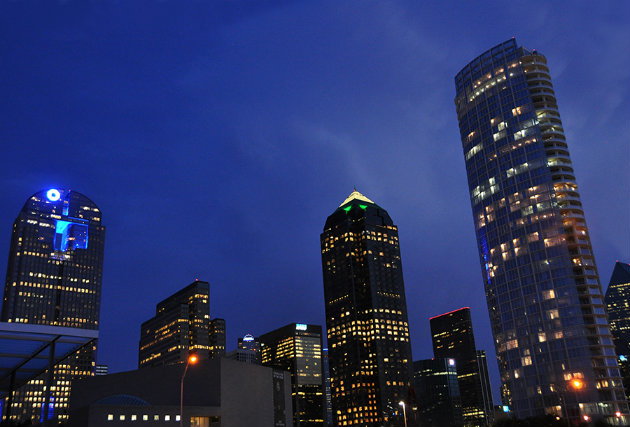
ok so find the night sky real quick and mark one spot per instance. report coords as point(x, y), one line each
point(217, 137)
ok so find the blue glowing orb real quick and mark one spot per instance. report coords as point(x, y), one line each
point(53, 195)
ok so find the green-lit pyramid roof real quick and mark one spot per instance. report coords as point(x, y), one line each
point(356, 196)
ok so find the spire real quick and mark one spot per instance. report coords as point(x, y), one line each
point(355, 195)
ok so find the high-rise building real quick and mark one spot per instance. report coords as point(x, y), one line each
point(618, 305)
point(453, 338)
point(297, 348)
point(101, 370)
point(329, 413)
point(250, 345)
point(369, 352)
point(437, 392)
point(54, 277)
point(217, 338)
point(180, 326)
point(542, 287)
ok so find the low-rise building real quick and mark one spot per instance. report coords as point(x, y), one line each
point(216, 392)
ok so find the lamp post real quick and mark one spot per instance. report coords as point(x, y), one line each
point(401, 403)
point(192, 358)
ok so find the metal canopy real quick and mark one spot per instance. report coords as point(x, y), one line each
point(27, 350)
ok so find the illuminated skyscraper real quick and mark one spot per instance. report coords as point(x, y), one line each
point(618, 306)
point(541, 281)
point(54, 277)
point(297, 348)
point(369, 352)
point(180, 326)
point(217, 338)
point(453, 337)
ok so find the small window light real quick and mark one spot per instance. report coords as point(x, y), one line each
point(110, 417)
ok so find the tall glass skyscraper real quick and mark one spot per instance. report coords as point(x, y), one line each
point(54, 277)
point(369, 352)
point(551, 334)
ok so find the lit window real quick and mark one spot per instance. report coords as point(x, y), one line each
point(167, 417)
point(145, 418)
point(110, 417)
point(122, 418)
point(134, 417)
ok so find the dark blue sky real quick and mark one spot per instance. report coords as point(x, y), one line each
point(216, 137)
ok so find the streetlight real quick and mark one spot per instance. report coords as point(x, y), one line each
point(401, 403)
point(192, 358)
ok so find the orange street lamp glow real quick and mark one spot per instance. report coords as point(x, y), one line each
point(192, 358)
point(577, 384)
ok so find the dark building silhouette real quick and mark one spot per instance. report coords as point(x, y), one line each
point(437, 393)
point(180, 326)
point(217, 392)
point(618, 305)
point(453, 338)
point(369, 352)
point(541, 282)
point(329, 413)
point(217, 338)
point(297, 348)
point(54, 277)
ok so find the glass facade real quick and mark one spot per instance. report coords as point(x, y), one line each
point(54, 277)
point(297, 348)
point(369, 352)
point(453, 337)
point(618, 307)
point(541, 281)
point(437, 392)
point(181, 325)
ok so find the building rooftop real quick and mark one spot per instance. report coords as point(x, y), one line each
point(355, 195)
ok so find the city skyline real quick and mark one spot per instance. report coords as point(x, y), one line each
point(289, 164)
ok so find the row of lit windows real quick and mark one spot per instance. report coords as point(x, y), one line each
point(145, 417)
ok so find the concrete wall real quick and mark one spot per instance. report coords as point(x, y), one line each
point(241, 394)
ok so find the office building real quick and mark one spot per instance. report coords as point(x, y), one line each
point(329, 413)
point(369, 352)
point(437, 393)
point(618, 306)
point(249, 342)
point(54, 277)
point(541, 282)
point(453, 338)
point(297, 348)
point(217, 338)
point(180, 326)
point(244, 355)
point(101, 370)
point(251, 346)
point(217, 392)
